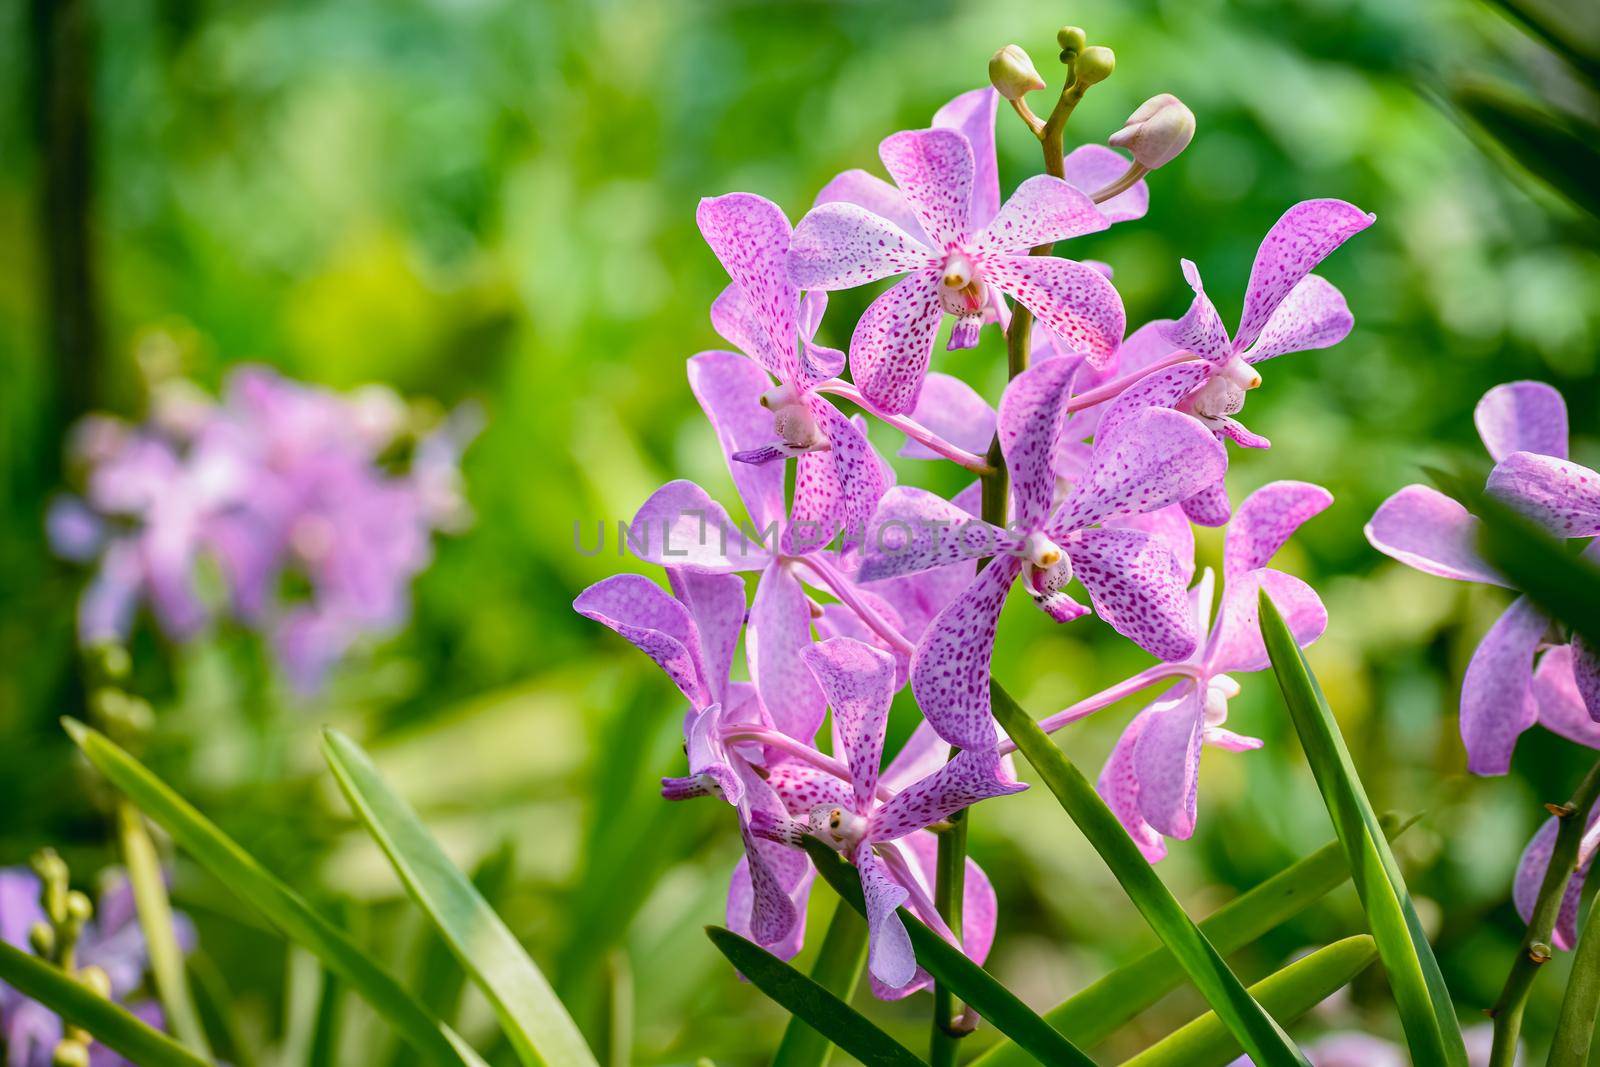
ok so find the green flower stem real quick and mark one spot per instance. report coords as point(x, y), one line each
point(1535, 948)
point(1575, 1030)
point(949, 891)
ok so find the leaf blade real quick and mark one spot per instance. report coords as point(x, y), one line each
point(837, 969)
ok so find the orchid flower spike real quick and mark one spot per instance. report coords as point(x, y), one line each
point(1524, 427)
point(1152, 775)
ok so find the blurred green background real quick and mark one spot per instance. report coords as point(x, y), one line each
point(493, 200)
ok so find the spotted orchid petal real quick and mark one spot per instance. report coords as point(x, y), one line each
point(956, 412)
point(923, 753)
point(1313, 315)
point(750, 237)
point(889, 956)
point(1210, 506)
point(893, 342)
point(842, 245)
point(1586, 674)
point(779, 628)
point(729, 389)
point(646, 615)
point(1297, 242)
point(802, 787)
point(1237, 645)
point(878, 197)
point(972, 114)
point(1151, 460)
point(1075, 301)
point(1239, 433)
point(1029, 420)
point(1043, 210)
point(1266, 519)
point(1497, 702)
point(716, 606)
point(1118, 784)
point(858, 682)
point(834, 490)
point(1171, 527)
point(708, 756)
point(914, 530)
point(1531, 868)
point(950, 669)
point(1426, 530)
point(1166, 761)
point(741, 908)
point(772, 914)
point(739, 322)
point(973, 774)
point(1557, 493)
point(1200, 330)
point(1092, 167)
point(934, 169)
point(1137, 587)
point(979, 905)
point(1159, 389)
point(1522, 417)
point(680, 525)
point(1562, 708)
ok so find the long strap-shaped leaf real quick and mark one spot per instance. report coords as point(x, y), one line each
point(805, 999)
point(950, 965)
point(1261, 1037)
point(1420, 994)
point(282, 906)
point(1287, 994)
point(1105, 1005)
point(838, 970)
point(538, 1027)
point(110, 1024)
point(1567, 587)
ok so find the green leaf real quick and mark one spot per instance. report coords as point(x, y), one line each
point(1548, 145)
point(1104, 1006)
point(1546, 21)
point(805, 999)
point(1420, 995)
point(837, 969)
point(1261, 1037)
point(1564, 586)
point(284, 908)
point(538, 1027)
point(1288, 994)
point(110, 1024)
point(951, 966)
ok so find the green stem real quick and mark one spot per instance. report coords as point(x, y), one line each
point(838, 970)
point(949, 893)
point(1575, 1030)
point(1535, 948)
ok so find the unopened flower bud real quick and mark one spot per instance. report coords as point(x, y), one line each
point(1161, 128)
point(42, 939)
point(1072, 40)
point(1095, 64)
point(1012, 73)
point(70, 1053)
point(97, 981)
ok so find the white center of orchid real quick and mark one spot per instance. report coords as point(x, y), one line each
point(839, 827)
point(961, 288)
point(1041, 551)
point(1223, 393)
point(1219, 690)
point(792, 420)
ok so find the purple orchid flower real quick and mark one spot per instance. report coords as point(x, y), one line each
point(1531, 867)
point(871, 822)
point(1152, 776)
point(838, 479)
point(1524, 427)
point(954, 267)
point(1133, 581)
point(1286, 309)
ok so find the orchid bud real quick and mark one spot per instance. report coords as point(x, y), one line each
point(1012, 73)
point(71, 1052)
point(1072, 40)
point(1161, 128)
point(1095, 64)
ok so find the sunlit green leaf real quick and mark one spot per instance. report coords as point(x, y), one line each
point(838, 970)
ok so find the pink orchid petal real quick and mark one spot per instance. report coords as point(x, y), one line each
point(1159, 389)
point(802, 787)
point(1137, 587)
point(1266, 519)
point(1531, 868)
point(1209, 506)
point(742, 325)
point(716, 605)
point(979, 909)
point(934, 169)
point(972, 113)
point(1522, 417)
point(1561, 705)
point(1239, 433)
point(1237, 644)
point(1297, 242)
point(817, 514)
point(1228, 741)
point(914, 530)
point(973, 774)
point(877, 196)
point(1313, 315)
point(889, 956)
point(956, 412)
point(1092, 167)
point(1166, 759)
point(837, 489)
point(1424, 529)
point(1497, 702)
point(893, 342)
point(679, 525)
point(1030, 418)
point(774, 912)
point(923, 753)
point(1586, 673)
point(729, 389)
point(1148, 461)
point(1200, 330)
point(1118, 784)
point(1556, 493)
point(1171, 527)
point(1077, 302)
point(841, 245)
point(950, 670)
point(779, 627)
point(1044, 209)
point(741, 910)
point(750, 236)
point(646, 615)
point(858, 682)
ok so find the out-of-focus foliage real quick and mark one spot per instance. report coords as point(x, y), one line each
point(493, 200)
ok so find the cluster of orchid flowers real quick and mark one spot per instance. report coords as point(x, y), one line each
point(316, 509)
point(1112, 445)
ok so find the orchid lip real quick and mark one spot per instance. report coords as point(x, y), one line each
point(837, 826)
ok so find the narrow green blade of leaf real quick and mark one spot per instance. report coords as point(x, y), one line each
point(1547, 22)
point(837, 969)
point(216, 1005)
point(109, 1023)
point(1420, 995)
point(1287, 994)
point(1567, 587)
point(1261, 1037)
point(806, 1000)
point(1105, 1005)
point(950, 965)
point(285, 909)
point(1551, 147)
point(534, 1021)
